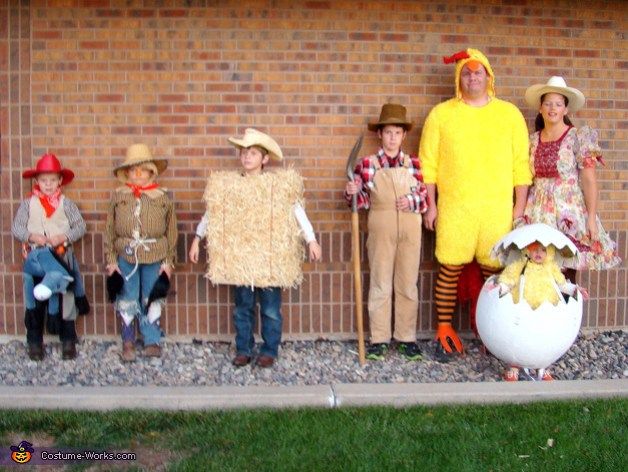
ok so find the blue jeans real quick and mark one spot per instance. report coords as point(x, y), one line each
point(42, 264)
point(244, 319)
point(132, 306)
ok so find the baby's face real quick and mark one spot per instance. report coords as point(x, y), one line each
point(538, 254)
point(48, 182)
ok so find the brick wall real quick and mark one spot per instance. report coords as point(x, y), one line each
point(84, 79)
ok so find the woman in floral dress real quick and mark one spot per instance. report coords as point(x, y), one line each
point(563, 161)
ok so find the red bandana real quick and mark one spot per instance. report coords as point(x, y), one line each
point(49, 202)
point(137, 190)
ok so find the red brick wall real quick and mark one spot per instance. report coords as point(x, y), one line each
point(84, 79)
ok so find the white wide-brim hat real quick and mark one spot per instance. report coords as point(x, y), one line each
point(253, 137)
point(558, 85)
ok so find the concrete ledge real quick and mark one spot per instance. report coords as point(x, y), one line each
point(164, 398)
point(317, 396)
point(348, 395)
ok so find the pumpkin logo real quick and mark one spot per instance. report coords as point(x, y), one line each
point(22, 453)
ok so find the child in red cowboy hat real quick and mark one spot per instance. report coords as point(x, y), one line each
point(47, 223)
point(140, 244)
point(256, 244)
point(390, 185)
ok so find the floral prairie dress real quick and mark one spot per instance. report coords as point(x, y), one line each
point(556, 197)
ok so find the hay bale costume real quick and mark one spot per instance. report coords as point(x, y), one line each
point(475, 157)
point(254, 225)
point(141, 238)
point(394, 237)
point(50, 273)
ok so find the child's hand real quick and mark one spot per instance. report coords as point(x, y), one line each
point(57, 240)
point(403, 204)
point(167, 269)
point(351, 188)
point(315, 251)
point(38, 239)
point(111, 268)
point(584, 292)
point(194, 249)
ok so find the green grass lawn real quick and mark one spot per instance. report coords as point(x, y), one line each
point(555, 436)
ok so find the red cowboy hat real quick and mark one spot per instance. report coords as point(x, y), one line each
point(48, 163)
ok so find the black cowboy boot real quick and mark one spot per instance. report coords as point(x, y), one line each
point(34, 322)
point(68, 339)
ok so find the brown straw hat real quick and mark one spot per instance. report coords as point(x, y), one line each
point(391, 114)
point(138, 154)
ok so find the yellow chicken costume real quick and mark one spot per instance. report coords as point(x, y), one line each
point(541, 279)
point(475, 156)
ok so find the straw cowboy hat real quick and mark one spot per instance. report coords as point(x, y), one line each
point(138, 154)
point(391, 114)
point(555, 85)
point(48, 163)
point(253, 137)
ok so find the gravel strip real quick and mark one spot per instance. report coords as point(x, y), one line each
point(601, 355)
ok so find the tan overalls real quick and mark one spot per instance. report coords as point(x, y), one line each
point(394, 250)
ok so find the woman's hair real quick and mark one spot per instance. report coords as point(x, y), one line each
point(539, 124)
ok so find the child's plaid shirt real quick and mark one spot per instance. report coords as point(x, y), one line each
point(365, 173)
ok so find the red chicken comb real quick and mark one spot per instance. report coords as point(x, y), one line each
point(456, 57)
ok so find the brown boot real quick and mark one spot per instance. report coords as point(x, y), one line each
point(152, 350)
point(265, 361)
point(68, 350)
point(36, 351)
point(241, 360)
point(128, 351)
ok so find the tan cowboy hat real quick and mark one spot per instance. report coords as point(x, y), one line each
point(138, 154)
point(253, 137)
point(391, 114)
point(558, 85)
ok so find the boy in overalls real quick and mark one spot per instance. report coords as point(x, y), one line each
point(390, 185)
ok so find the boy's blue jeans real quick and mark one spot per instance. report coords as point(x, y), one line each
point(41, 263)
point(129, 303)
point(244, 319)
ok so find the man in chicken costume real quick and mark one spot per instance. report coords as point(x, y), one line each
point(474, 150)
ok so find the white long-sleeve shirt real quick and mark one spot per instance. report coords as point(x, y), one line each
point(299, 214)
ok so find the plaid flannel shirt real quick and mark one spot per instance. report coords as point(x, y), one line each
point(365, 174)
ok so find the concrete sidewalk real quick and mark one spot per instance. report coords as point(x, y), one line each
point(318, 396)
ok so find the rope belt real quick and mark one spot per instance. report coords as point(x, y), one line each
point(134, 246)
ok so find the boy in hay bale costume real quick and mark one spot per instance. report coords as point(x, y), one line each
point(254, 225)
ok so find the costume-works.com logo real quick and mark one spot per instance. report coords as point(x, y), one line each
point(22, 453)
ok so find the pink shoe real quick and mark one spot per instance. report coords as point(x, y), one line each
point(512, 374)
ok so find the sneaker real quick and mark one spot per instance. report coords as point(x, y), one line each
point(377, 352)
point(440, 355)
point(410, 351)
